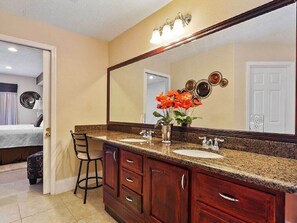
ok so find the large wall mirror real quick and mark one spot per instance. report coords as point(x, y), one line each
point(256, 56)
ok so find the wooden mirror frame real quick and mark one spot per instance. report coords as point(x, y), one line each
point(266, 8)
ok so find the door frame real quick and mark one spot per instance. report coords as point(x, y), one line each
point(48, 167)
point(291, 68)
point(146, 71)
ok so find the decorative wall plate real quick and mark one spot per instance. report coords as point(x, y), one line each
point(224, 82)
point(190, 85)
point(203, 88)
point(215, 78)
point(27, 99)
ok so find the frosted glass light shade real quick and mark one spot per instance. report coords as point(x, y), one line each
point(167, 33)
point(178, 27)
point(156, 37)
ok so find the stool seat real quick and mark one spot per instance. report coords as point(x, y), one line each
point(81, 149)
point(94, 155)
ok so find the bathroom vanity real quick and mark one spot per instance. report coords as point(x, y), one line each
point(149, 182)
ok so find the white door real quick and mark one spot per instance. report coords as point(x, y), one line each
point(46, 121)
point(271, 93)
point(155, 84)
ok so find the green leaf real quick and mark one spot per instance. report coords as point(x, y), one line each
point(157, 114)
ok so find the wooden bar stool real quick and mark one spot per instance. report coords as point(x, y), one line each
point(81, 148)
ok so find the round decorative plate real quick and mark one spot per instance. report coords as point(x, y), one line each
point(224, 82)
point(27, 99)
point(190, 85)
point(203, 88)
point(215, 78)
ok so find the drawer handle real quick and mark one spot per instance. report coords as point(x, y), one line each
point(129, 180)
point(129, 199)
point(129, 161)
point(229, 198)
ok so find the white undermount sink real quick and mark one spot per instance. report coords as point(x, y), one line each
point(197, 153)
point(132, 140)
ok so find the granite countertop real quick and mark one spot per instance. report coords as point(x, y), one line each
point(269, 171)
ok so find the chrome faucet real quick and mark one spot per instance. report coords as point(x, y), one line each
point(216, 142)
point(147, 134)
point(211, 144)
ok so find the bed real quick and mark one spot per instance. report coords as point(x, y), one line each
point(17, 142)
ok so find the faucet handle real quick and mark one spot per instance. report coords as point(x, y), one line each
point(218, 140)
point(143, 131)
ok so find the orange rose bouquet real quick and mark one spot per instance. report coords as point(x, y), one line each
point(185, 104)
point(176, 103)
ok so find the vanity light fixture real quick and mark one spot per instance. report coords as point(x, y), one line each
point(8, 67)
point(151, 77)
point(171, 29)
point(12, 49)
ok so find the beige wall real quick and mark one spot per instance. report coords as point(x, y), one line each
point(205, 13)
point(81, 80)
point(127, 89)
point(217, 109)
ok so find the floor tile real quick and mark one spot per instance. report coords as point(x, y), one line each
point(55, 215)
point(9, 213)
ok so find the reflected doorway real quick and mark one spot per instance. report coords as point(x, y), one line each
point(271, 94)
point(154, 84)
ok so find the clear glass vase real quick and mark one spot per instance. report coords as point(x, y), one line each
point(166, 133)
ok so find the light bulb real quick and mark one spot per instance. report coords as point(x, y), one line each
point(166, 32)
point(178, 27)
point(156, 37)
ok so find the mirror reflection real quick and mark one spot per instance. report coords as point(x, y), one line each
point(257, 57)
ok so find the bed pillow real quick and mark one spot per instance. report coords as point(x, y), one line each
point(38, 121)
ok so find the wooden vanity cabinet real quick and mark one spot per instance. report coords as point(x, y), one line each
point(139, 188)
point(167, 193)
point(110, 169)
point(218, 200)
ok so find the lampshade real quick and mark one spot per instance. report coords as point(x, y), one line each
point(38, 105)
point(156, 37)
point(178, 27)
point(166, 32)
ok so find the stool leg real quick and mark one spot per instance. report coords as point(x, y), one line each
point(78, 176)
point(86, 187)
point(96, 171)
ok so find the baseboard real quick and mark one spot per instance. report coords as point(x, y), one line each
point(69, 183)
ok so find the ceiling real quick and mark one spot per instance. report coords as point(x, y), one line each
point(102, 19)
point(26, 62)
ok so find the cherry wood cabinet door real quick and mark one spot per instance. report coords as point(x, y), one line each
point(110, 170)
point(207, 214)
point(166, 193)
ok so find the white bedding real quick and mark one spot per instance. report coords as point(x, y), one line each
point(20, 135)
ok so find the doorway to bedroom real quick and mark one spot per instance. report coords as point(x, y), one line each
point(24, 105)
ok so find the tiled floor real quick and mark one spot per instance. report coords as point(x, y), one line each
point(22, 203)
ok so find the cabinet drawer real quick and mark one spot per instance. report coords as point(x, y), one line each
point(131, 199)
point(131, 161)
point(131, 180)
point(245, 203)
point(207, 214)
